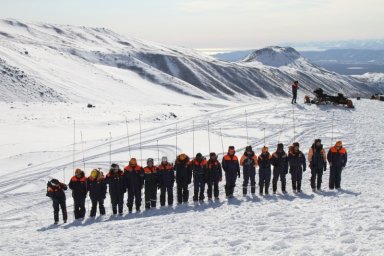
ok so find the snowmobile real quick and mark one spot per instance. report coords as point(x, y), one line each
point(322, 99)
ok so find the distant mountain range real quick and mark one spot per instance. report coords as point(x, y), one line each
point(46, 62)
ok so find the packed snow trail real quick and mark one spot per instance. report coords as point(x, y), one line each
point(325, 223)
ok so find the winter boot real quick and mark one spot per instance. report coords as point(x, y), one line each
point(253, 190)
point(261, 190)
point(244, 191)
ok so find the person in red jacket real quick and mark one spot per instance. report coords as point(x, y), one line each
point(134, 181)
point(295, 87)
point(231, 167)
point(264, 161)
point(166, 178)
point(78, 185)
point(214, 176)
point(55, 190)
point(337, 158)
point(199, 170)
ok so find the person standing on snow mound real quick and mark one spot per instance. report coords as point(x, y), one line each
point(134, 181)
point(183, 178)
point(214, 176)
point(97, 190)
point(317, 163)
point(297, 165)
point(199, 170)
point(115, 181)
point(280, 168)
point(249, 163)
point(264, 161)
point(78, 185)
point(295, 87)
point(166, 175)
point(55, 190)
point(337, 158)
point(230, 164)
point(151, 181)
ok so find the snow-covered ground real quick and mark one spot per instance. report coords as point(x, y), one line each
point(37, 141)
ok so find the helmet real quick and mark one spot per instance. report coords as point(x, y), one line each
point(199, 156)
point(164, 159)
point(54, 182)
point(150, 160)
point(280, 146)
point(95, 173)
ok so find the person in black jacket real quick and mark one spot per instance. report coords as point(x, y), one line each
point(297, 165)
point(78, 185)
point(115, 181)
point(55, 190)
point(183, 178)
point(97, 190)
point(214, 176)
point(151, 182)
point(317, 163)
point(199, 170)
point(264, 161)
point(231, 167)
point(280, 168)
point(134, 181)
point(166, 176)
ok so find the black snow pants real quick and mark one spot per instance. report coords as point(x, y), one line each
point(57, 204)
point(279, 173)
point(182, 192)
point(166, 190)
point(230, 179)
point(316, 175)
point(198, 187)
point(150, 195)
point(335, 177)
point(117, 202)
point(264, 179)
point(249, 174)
point(96, 202)
point(79, 207)
point(297, 176)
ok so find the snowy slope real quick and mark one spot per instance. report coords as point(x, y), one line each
point(328, 223)
point(76, 64)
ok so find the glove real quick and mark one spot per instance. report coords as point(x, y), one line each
point(238, 175)
point(304, 169)
point(325, 168)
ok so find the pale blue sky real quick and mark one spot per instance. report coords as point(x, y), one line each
point(231, 24)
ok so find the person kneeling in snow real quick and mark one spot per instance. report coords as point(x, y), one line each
point(115, 181)
point(97, 190)
point(166, 176)
point(297, 165)
point(55, 190)
point(337, 158)
point(78, 185)
point(264, 161)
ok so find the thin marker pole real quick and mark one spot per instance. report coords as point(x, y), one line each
point(176, 141)
point(246, 126)
point(74, 146)
point(222, 143)
point(209, 139)
point(129, 144)
point(141, 150)
point(294, 125)
point(333, 117)
point(264, 136)
point(82, 148)
point(193, 137)
point(281, 130)
point(110, 148)
point(158, 151)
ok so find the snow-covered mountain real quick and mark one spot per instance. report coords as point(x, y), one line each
point(44, 62)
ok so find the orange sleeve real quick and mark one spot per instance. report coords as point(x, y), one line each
point(255, 159)
point(242, 160)
point(310, 154)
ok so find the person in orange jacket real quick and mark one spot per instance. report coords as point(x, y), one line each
point(55, 191)
point(317, 158)
point(166, 176)
point(264, 161)
point(214, 176)
point(231, 167)
point(78, 185)
point(151, 183)
point(249, 162)
point(134, 181)
point(199, 171)
point(337, 158)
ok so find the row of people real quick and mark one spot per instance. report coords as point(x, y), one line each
point(133, 178)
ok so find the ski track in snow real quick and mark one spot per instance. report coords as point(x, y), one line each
point(348, 222)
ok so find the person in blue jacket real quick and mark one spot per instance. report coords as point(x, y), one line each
point(97, 191)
